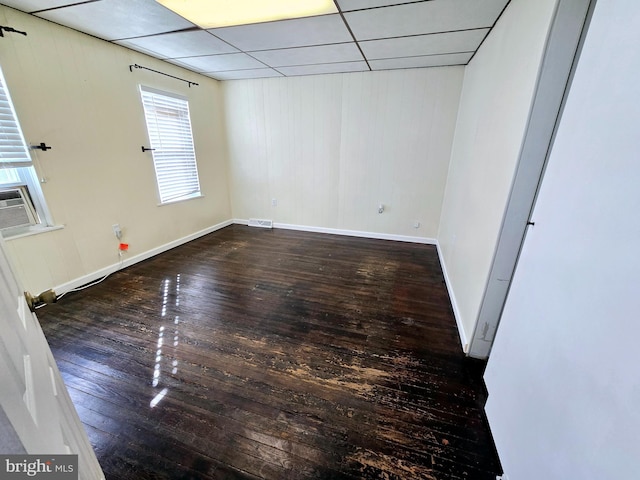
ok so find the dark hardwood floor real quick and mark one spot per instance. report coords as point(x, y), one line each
point(275, 354)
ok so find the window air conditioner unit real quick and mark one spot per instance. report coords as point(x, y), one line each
point(16, 209)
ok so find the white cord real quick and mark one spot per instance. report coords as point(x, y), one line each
point(92, 283)
point(83, 287)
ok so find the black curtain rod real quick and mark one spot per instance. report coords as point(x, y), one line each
point(10, 29)
point(135, 65)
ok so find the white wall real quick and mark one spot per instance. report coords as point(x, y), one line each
point(330, 148)
point(495, 103)
point(564, 387)
point(76, 93)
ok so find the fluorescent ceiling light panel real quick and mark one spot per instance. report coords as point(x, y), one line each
point(224, 13)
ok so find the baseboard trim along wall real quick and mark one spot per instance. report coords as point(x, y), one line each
point(348, 233)
point(454, 304)
point(85, 279)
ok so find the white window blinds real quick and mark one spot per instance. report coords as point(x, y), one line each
point(174, 158)
point(13, 149)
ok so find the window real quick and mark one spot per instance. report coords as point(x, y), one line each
point(174, 157)
point(22, 203)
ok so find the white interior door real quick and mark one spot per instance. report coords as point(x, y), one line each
point(33, 395)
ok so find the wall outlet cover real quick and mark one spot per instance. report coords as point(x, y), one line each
point(117, 231)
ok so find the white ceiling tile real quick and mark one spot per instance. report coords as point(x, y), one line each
point(342, 52)
point(219, 63)
point(324, 68)
point(244, 74)
point(118, 19)
point(180, 44)
point(424, 17)
point(286, 33)
point(35, 5)
point(433, 44)
point(346, 5)
point(417, 62)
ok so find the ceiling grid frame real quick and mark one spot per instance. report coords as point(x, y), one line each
point(364, 35)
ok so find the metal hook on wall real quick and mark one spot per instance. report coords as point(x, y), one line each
point(43, 146)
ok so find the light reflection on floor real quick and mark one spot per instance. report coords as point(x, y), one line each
point(157, 371)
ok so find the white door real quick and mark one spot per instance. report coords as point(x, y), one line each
point(33, 395)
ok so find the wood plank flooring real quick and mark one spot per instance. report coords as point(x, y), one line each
point(274, 354)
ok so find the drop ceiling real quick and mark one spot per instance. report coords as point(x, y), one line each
point(365, 35)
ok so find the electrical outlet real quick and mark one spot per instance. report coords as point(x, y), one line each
point(117, 231)
point(274, 202)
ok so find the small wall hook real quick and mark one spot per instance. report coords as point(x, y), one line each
point(42, 147)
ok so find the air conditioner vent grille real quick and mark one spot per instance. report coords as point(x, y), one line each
point(16, 209)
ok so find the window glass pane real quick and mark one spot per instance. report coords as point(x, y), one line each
point(170, 136)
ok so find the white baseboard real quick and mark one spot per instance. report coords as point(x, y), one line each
point(349, 233)
point(454, 304)
point(78, 282)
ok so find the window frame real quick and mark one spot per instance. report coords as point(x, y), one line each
point(170, 136)
point(16, 156)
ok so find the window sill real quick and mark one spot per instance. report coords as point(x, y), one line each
point(28, 231)
point(182, 199)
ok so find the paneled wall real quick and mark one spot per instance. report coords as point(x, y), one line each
point(76, 93)
point(329, 149)
point(496, 99)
